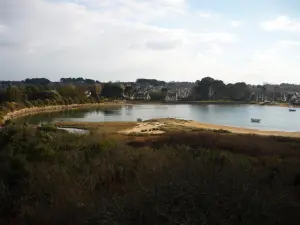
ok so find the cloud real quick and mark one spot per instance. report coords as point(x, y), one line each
point(127, 39)
point(288, 43)
point(163, 44)
point(107, 41)
point(236, 23)
point(204, 14)
point(223, 37)
point(2, 28)
point(273, 63)
point(281, 23)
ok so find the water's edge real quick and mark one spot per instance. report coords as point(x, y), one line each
point(56, 108)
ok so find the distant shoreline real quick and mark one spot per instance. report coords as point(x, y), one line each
point(136, 102)
point(217, 102)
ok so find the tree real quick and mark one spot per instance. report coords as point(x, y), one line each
point(13, 94)
point(153, 82)
point(164, 90)
point(238, 91)
point(157, 96)
point(3, 96)
point(111, 90)
point(95, 90)
point(129, 90)
point(201, 90)
point(37, 81)
point(219, 89)
point(67, 90)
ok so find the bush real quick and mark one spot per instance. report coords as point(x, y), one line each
point(47, 102)
point(60, 101)
point(48, 128)
point(39, 102)
point(222, 131)
point(53, 102)
point(11, 106)
point(28, 104)
point(71, 101)
point(66, 101)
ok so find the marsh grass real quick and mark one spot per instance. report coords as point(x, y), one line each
point(49, 176)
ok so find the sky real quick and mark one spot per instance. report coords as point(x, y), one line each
point(171, 40)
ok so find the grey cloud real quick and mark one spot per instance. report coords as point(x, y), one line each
point(8, 44)
point(163, 44)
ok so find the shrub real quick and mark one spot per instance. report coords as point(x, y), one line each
point(53, 102)
point(66, 101)
point(9, 121)
point(39, 102)
point(222, 131)
point(47, 102)
point(11, 106)
point(28, 104)
point(48, 127)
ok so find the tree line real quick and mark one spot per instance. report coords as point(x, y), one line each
point(38, 91)
point(211, 89)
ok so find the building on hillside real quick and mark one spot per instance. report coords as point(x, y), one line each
point(142, 96)
point(295, 99)
point(171, 97)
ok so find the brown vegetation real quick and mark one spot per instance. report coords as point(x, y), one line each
point(48, 176)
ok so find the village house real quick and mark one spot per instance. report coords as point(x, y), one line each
point(295, 99)
point(142, 96)
point(171, 97)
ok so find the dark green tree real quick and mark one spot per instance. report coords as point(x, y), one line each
point(111, 90)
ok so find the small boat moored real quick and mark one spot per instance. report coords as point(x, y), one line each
point(253, 120)
point(292, 110)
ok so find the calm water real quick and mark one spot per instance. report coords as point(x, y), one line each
point(273, 118)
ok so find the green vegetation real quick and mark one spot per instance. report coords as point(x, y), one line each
point(39, 92)
point(211, 89)
point(48, 176)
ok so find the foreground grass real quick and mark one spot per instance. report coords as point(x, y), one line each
point(48, 176)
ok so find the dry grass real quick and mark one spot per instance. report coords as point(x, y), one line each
point(200, 177)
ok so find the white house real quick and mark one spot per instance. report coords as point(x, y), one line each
point(143, 96)
point(171, 97)
point(295, 99)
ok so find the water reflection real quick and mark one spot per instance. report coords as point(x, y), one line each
point(51, 117)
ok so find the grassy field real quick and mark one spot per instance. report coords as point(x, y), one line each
point(49, 176)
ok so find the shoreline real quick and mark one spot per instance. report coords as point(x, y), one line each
point(145, 102)
point(240, 130)
point(56, 108)
point(174, 122)
point(162, 125)
point(154, 125)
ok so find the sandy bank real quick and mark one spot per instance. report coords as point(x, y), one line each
point(160, 126)
point(145, 128)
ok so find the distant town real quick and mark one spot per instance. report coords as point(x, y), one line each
point(33, 89)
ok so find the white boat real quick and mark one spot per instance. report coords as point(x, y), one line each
point(292, 110)
point(253, 120)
